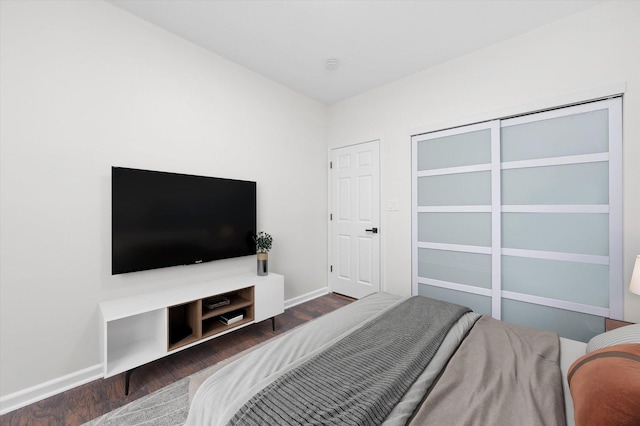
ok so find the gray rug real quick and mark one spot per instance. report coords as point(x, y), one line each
point(168, 406)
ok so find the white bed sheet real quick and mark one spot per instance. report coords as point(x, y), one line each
point(570, 350)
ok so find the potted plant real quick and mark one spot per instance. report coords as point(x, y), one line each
point(263, 245)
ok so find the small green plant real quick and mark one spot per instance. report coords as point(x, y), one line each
point(263, 242)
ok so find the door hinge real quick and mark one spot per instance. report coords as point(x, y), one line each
point(331, 164)
point(330, 216)
point(331, 268)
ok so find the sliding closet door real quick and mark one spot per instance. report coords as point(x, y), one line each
point(521, 218)
point(561, 219)
point(452, 215)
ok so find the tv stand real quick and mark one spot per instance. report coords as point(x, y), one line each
point(139, 329)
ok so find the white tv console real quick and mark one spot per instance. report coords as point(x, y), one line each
point(139, 329)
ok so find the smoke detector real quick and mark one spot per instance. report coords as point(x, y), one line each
point(332, 64)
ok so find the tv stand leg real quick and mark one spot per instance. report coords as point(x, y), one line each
point(273, 323)
point(127, 378)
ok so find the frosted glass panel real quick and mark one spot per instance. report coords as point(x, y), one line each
point(585, 133)
point(569, 184)
point(570, 281)
point(568, 324)
point(458, 150)
point(456, 267)
point(478, 304)
point(455, 228)
point(455, 190)
point(580, 233)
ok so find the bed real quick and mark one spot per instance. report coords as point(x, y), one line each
point(394, 360)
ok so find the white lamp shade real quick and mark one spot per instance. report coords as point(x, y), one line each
point(634, 287)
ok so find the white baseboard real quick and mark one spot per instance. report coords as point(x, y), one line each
point(52, 387)
point(305, 297)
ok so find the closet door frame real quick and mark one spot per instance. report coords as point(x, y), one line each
point(496, 166)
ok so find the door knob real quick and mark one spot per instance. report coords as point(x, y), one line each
point(374, 230)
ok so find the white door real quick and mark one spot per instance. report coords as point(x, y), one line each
point(355, 220)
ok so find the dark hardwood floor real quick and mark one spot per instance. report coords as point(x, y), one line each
point(89, 401)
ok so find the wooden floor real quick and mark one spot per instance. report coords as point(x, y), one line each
point(89, 401)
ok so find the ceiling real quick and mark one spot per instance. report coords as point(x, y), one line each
point(374, 41)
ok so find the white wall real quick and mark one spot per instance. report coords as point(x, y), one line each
point(85, 86)
point(598, 47)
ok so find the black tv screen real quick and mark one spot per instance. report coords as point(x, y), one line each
point(164, 219)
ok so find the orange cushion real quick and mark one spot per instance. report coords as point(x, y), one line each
point(605, 386)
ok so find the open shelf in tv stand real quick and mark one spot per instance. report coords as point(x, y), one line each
point(136, 330)
point(193, 317)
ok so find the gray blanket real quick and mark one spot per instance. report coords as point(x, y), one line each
point(358, 380)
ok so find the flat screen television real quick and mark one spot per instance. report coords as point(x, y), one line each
point(162, 219)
